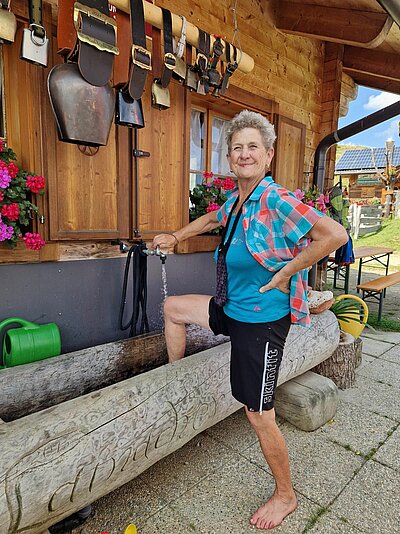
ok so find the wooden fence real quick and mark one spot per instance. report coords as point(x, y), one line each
point(364, 219)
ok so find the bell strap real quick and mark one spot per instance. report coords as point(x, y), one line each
point(213, 74)
point(169, 58)
point(180, 47)
point(35, 18)
point(230, 67)
point(140, 56)
point(202, 54)
point(96, 41)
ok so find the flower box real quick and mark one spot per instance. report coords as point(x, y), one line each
point(200, 243)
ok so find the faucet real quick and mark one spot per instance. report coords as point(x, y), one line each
point(155, 252)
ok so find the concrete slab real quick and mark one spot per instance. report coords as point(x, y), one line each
point(375, 347)
point(167, 520)
point(374, 396)
point(389, 453)
point(131, 503)
point(224, 502)
point(320, 468)
point(329, 522)
point(186, 467)
point(380, 335)
point(370, 501)
point(383, 372)
point(366, 359)
point(235, 431)
point(355, 427)
point(392, 355)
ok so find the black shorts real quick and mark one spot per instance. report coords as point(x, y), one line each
point(256, 355)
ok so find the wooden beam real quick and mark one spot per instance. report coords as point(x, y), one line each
point(375, 82)
point(346, 26)
point(153, 15)
point(373, 62)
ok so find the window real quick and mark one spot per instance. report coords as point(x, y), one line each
point(208, 148)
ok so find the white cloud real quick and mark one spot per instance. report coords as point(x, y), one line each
point(381, 100)
point(391, 131)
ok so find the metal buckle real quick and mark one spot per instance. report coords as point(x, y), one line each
point(202, 56)
point(145, 52)
point(83, 37)
point(169, 56)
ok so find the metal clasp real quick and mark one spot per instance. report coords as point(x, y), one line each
point(85, 38)
point(136, 49)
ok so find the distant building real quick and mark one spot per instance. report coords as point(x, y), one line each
point(359, 170)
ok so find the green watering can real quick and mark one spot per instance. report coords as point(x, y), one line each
point(29, 343)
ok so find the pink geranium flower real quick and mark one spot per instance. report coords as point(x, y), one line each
point(33, 241)
point(213, 206)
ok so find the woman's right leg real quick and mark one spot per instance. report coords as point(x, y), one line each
point(178, 312)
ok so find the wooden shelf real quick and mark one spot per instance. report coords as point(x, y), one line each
point(200, 243)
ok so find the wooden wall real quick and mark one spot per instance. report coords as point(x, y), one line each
point(93, 199)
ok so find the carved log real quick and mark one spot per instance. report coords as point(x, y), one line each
point(340, 367)
point(63, 458)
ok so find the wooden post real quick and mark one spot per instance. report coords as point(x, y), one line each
point(340, 367)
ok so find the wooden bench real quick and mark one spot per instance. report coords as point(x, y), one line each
point(375, 289)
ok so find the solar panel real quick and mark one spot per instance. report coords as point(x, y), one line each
point(361, 159)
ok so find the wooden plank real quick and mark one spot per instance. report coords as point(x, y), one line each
point(375, 62)
point(333, 24)
point(200, 243)
point(289, 161)
point(381, 283)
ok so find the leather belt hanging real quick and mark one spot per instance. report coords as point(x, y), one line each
point(95, 46)
point(180, 66)
point(169, 58)
point(203, 52)
point(140, 57)
point(230, 67)
point(214, 76)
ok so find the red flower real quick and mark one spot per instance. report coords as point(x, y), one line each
point(2, 145)
point(12, 170)
point(213, 206)
point(1, 196)
point(228, 184)
point(207, 175)
point(11, 211)
point(33, 241)
point(218, 182)
point(35, 183)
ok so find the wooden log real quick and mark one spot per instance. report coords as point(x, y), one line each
point(61, 459)
point(340, 367)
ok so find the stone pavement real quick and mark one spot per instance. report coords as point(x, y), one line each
point(346, 474)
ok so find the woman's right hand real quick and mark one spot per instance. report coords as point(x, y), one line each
point(166, 242)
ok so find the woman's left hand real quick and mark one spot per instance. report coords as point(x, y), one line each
point(279, 281)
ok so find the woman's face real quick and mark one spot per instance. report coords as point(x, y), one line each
point(248, 157)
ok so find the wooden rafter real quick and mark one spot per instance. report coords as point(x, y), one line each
point(380, 64)
point(340, 25)
point(375, 82)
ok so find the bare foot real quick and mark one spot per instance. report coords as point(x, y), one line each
point(273, 512)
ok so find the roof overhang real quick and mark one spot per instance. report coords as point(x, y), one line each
point(368, 33)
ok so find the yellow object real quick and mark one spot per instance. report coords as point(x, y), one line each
point(353, 326)
point(130, 529)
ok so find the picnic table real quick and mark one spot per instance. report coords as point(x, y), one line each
point(364, 255)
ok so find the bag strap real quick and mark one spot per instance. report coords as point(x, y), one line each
point(140, 57)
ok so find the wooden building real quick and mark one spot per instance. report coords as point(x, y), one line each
point(308, 59)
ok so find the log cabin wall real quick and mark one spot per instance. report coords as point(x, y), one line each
point(91, 200)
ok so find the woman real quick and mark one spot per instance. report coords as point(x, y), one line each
point(261, 282)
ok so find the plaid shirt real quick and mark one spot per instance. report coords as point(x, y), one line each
point(275, 223)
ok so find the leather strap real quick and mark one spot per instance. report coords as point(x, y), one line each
point(203, 52)
point(230, 68)
point(140, 56)
point(122, 61)
point(214, 76)
point(96, 44)
point(169, 58)
point(180, 47)
point(35, 17)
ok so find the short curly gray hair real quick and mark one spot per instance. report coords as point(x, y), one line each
point(251, 119)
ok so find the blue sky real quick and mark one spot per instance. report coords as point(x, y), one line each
point(368, 101)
